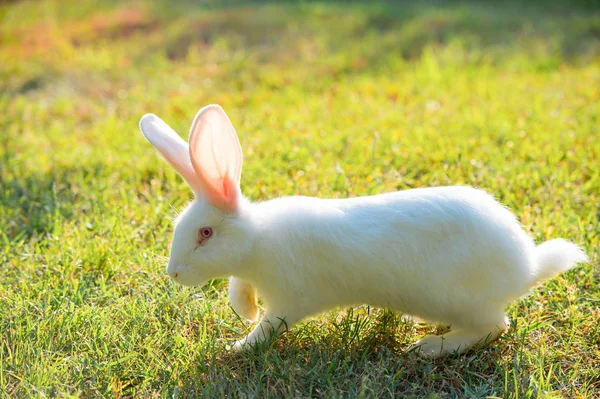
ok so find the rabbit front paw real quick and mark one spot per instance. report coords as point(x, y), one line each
point(240, 345)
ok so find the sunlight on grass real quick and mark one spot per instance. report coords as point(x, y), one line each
point(329, 99)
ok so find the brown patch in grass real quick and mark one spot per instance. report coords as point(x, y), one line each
point(244, 27)
point(38, 39)
point(44, 38)
point(121, 24)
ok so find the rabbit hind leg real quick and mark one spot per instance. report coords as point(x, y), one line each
point(460, 339)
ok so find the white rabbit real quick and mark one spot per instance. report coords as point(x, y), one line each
point(451, 255)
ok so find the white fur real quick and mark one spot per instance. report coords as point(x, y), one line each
point(242, 296)
point(450, 255)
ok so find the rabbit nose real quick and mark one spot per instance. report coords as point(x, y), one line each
point(171, 270)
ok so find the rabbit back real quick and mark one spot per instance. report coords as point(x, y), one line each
point(438, 253)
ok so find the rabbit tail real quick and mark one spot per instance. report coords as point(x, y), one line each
point(242, 296)
point(556, 256)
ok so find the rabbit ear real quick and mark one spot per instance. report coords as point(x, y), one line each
point(172, 147)
point(216, 157)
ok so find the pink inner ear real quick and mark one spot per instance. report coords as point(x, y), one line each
point(216, 156)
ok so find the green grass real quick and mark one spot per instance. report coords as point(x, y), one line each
point(329, 99)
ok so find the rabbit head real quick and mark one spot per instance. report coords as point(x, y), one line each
point(213, 234)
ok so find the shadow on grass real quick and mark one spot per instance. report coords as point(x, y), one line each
point(37, 203)
point(570, 30)
point(327, 359)
point(325, 38)
point(376, 31)
point(30, 203)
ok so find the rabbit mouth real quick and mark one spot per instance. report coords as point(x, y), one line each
point(184, 276)
point(174, 271)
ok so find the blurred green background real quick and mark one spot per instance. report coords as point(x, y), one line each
point(329, 99)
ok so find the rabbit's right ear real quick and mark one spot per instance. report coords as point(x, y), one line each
point(172, 147)
point(216, 157)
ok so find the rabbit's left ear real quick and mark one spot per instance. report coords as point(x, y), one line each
point(216, 156)
point(173, 149)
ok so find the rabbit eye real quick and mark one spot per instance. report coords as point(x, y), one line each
point(204, 234)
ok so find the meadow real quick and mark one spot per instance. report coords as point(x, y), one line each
point(330, 99)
